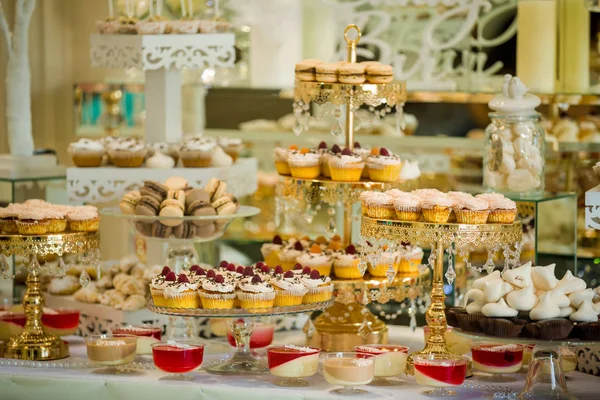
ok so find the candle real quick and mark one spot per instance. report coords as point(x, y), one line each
point(159, 7)
point(182, 2)
point(536, 44)
point(574, 46)
point(111, 11)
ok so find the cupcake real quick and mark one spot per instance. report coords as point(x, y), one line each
point(549, 329)
point(129, 153)
point(364, 153)
point(32, 221)
point(271, 251)
point(289, 291)
point(378, 205)
point(86, 153)
point(346, 265)
point(254, 293)
point(304, 164)
point(232, 146)
point(197, 153)
point(280, 154)
point(471, 210)
point(216, 292)
point(381, 267)
point(320, 288)
point(84, 219)
point(290, 253)
point(436, 207)
point(504, 327)
point(346, 166)
point(8, 218)
point(410, 258)
point(502, 210)
point(325, 157)
point(57, 219)
point(316, 259)
point(407, 206)
point(158, 285)
point(384, 166)
point(180, 292)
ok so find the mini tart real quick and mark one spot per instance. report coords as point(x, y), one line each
point(384, 168)
point(304, 165)
point(280, 154)
point(346, 168)
point(319, 290)
point(346, 266)
point(380, 269)
point(255, 295)
point(215, 295)
point(378, 205)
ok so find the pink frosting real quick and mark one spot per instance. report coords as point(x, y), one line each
point(406, 200)
point(378, 198)
point(496, 201)
point(441, 199)
point(472, 203)
point(83, 213)
point(425, 192)
point(32, 213)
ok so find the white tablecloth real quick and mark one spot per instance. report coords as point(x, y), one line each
point(20, 383)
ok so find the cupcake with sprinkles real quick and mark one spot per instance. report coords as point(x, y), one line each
point(384, 166)
point(346, 166)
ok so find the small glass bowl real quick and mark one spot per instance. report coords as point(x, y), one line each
point(348, 369)
point(178, 358)
point(293, 363)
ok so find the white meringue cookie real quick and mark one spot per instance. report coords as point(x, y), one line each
point(220, 158)
point(506, 135)
point(580, 296)
point(543, 277)
point(522, 299)
point(495, 289)
point(494, 179)
point(545, 309)
point(520, 276)
point(480, 282)
point(475, 306)
point(508, 149)
point(597, 308)
point(585, 313)
point(569, 284)
point(498, 309)
point(508, 164)
point(559, 298)
point(160, 160)
point(521, 180)
point(566, 311)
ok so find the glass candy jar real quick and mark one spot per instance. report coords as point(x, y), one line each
point(513, 158)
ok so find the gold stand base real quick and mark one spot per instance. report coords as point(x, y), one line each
point(341, 327)
point(36, 348)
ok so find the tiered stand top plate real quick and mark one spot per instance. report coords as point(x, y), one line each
point(370, 94)
point(239, 312)
point(480, 337)
point(59, 243)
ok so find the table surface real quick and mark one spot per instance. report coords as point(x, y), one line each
point(24, 383)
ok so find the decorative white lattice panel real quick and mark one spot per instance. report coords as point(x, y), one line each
point(592, 208)
point(108, 184)
point(153, 52)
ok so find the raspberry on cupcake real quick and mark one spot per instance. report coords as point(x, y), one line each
point(384, 166)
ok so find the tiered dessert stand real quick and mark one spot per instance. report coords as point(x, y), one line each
point(453, 239)
point(33, 343)
point(349, 322)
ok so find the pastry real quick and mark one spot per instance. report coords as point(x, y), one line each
point(520, 276)
point(195, 195)
point(56, 218)
point(270, 251)
point(113, 298)
point(471, 210)
point(167, 149)
point(158, 285)
point(206, 231)
point(569, 284)
point(545, 309)
point(325, 157)
point(187, 230)
point(383, 166)
point(385, 261)
point(129, 201)
point(155, 190)
point(290, 253)
point(64, 286)
point(172, 207)
point(88, 294)
point(8, 218)
point(379, 73)
point(232, 146)
point(378, 205)
point(364, 153)
point(346, 166)
point(226, 205)
point(134, 302)
point(495, 290)
point(502, 210)
point(580, 296)
point(304, 164)
point(289, 291)
point(522, 299)
point(351, 73)
point(31, 221)
point(498, 309)
point(305, 70)
point(84, 219)
point(410, 258)
point(215, 188)
point(320, 288)
point(254, 293)
point(179, 292)
point(543, 277)
point(503, 327)
point(176, 183)
point(280, 154)
point(407, 207)
point(585, 313)
point(147, 206)
point(86, 153)
point(201, 208)
point(131, 286)
point(327, 72)
point(220, 158)
point(436, 208)
point(217, 293)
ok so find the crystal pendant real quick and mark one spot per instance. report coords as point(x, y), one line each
point(62, 268)
point(34, 265)
point(489, 263)
point(308, 214)
point(309, 328)
point(450, 274)
point(4, 266)
point(331, 227)
point(98, 271)
point(331, 211)
point(297, 128)
point(391, 273)
point(412, 314)
point(362, 267)
point(337, 130)
point(84, 278)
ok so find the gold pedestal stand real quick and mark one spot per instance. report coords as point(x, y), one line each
point(441, 236)
point(33, 343)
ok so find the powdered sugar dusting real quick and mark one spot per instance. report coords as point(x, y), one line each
point(499, 349)
point(299, 348)
point(361, 362)
point(105, 342)
point(369, 349)
point(179, 345)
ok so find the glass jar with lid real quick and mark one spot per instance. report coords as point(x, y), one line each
point(513, 158)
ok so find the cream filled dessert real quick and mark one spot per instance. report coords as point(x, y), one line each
point(498, 359)
point(390, 360)
point(111, 350)
point(60, 322)
point(11, 324)
point(293, 361)
point(349, 371)
point(440, 372)
point(147, 335)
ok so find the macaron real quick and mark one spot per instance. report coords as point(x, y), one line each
point(380, 73)
point(305, 70)
point(367, 64)
point(195, 195)
point(185, 231)
point(225, 205)
point(148, 205)
point(171, 208)
point(351, 73)
point(154, 189)
point(176, 183)
point(215, 188)
point(144, 228)
point(201, 208)
point(206, 231)
point(129, 201)
point(178, 195)
point(159, 230)
point(327, 72)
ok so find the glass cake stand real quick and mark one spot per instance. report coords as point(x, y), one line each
point(545, 376)
point(243, 362)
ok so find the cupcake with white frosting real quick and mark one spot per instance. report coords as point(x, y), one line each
point(407, 206)
point(320, 288)
point(346, 166)
point(217, 292)
point(316, 259)
point(197, 153)
point(86, 153)
point(436, 207)
point(255, 293)
point(32, 221)
point(232, 146)
point(304, 164)
point(378, 205)
point(84, 219)
point(289, 291)
point(280, 154)
point(345, 265)
point(128, 153)
point(384, 166)
point(502, 209)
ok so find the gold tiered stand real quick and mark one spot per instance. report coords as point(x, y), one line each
point(441, 237)
point(33, 343)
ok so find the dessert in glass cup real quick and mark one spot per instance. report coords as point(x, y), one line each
point(293, 363)
point(178, 358)
point(439, 372)
point(348, 369)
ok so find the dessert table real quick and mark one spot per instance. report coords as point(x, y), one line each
point(24, 383)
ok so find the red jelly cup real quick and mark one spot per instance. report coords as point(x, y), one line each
point(261, 336)
point(64, 323)
point(439, 372)
point(177, 358)
point(497, 358)
point(293, 363)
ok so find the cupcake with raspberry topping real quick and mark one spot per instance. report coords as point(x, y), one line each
point(320, 288)
point(316, 259)
point(289, 291)
point(280, 154)
point(271, 251)
point(386, 260)
point(346, 166)
point(384, 166)
point(346, 265)
point(180, 293)
point(217, 292)
point(254, 293)
point(326, 156)
point(158, 285)
point(289, 254)
point(305, 164)
point(364, 153)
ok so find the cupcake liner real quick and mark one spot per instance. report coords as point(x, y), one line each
point(502, 216)
point(437, 214)
point(469, 322)
point(380, 270)
point(286, 298)
point(217, 300)
point(552, 329)
point(588, 330)
point(501, 326)
point(256, 300)
point(350, 172)
point(85, 225)
point(384, 173)
point(282, 168)
point(196, 159)
point(325, 169)
point(471, 216)
point(451, 318)
point(409, 267)
point(381, 211)
point(157, 297)
point(404, 213)
point(182, 300)
point(57, 225)
point(310, 172)
point(8, 226)
point(86, 158)
point(33, 227)
point(127, 158)
point(318, 294)
point(347, 271)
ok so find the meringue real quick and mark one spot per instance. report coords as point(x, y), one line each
point(580, 296)
point(475, 306)
point(566, 311)
point(569, 284)
point(585, 313)
point(220, 158)
point(543, 277)
point(160, 160)
point(522, 299)
point(496, 289)
point(545, 309)
point(480, 283)
point(519, 277)
point(499, 309)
